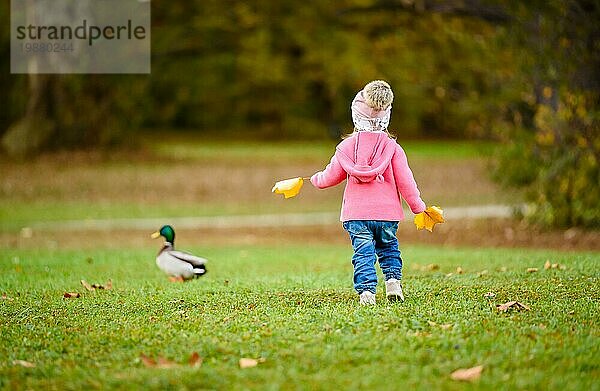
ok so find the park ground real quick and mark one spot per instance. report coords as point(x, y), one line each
point(280, 296)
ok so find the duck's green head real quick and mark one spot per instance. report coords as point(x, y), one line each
point(166, 232)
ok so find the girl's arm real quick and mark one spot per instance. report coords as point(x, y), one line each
point(332, 175)
point(405, 182)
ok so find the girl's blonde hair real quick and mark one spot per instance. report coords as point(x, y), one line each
point(377, 95)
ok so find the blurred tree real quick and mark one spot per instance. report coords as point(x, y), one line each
point(552, 137)
point(282, 70)
point(66, 110)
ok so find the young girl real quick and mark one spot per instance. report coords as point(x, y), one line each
point(377, 176)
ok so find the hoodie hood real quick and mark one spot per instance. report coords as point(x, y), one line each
point(366, 155)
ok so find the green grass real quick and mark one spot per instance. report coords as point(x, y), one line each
point(294, 307)
point(182, 147)
point(14, 215)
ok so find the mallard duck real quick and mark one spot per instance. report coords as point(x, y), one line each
point(179, 265)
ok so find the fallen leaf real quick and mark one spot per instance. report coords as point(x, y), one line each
point(195, 360)
point(95, 286)
point(418, 333)
point(26, 232)
point(289, 187)
point(429, 218)
point(467, 374)
point(147, 361)
point(547, 265)
point(87, 286)
point(512, 305)
point(164, 363)
point(442, 326)
point(70, 295)
point(459, 270)
point(482, 273)
point(5, 297)
point(532, 269)
point(248, 363)
point(432, 267)
point(24, 363)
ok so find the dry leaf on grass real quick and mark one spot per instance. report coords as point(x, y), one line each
point(250, 362)
point(446, 326)
point(147, 361)
point(5, 297)
point(512, 305)
point(532, 269)
point(549, 265)
point(86, 285)
point(24, 363)
point(467, 374)
point(71, 295)
point(93, 287)
point(163, 363)
point(160, 362)
point(195, 360)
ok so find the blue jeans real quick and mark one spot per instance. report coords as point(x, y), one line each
point(373, 240)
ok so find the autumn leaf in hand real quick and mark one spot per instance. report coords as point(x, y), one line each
point(289, 187)
point(430, 217)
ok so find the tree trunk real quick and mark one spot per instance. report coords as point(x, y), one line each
point(32, 133)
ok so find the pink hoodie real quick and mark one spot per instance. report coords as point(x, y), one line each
point(378, 176)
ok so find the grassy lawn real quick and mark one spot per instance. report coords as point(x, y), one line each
point(186, 176)
point(293, 308)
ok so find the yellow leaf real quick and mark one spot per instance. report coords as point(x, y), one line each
point(289, 187)
point(430, 217)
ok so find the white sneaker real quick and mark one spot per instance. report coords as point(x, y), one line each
point(367, 298)
point(393, 290)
